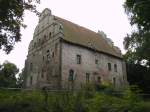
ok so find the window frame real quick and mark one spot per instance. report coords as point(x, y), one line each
point(71, 75)
point(31, 80)
point(109, 66)
point(115, 68)
point(96, 61)
point(87, 77)
point(79, 59)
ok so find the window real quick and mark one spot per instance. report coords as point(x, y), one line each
point(48, 55)
point(39, 41)
point(109, 66)
point(99, 79)
point(95, 73)
point(50, 35)
point(87, 77)
point(56, 48)
point(31, 66)
point(78, 59)
point(34, 44)
point(43, 58)
point(96, 61)
point(115, 67)
point(61, 28)
point(71, 74)
point(42, 75)
point(53, 54)
point(44, 37)
point(31, 78)
point(114, 81)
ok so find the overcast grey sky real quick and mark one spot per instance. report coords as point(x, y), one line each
point(104, 15)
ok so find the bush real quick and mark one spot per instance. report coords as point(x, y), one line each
point(85, 100)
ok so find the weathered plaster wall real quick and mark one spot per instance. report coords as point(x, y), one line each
point(69, 61)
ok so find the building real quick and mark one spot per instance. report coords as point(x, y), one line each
point(64, 55)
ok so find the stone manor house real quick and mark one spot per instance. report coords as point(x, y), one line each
point(64, 55)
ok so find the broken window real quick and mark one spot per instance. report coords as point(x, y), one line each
point(109, 66)
point(78, 59)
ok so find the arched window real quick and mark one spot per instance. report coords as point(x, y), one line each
point(71, 75)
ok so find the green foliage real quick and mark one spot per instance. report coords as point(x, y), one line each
point(8, 73)
point(139, 13)
point(11, 20)
point(69, 101)
point(20, 79)
point(139, 75)
point(138, 43)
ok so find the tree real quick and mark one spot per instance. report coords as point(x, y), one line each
point(20, 79)
point(8, 73)
point(137, 44)
point(11, 20)
point(139, 75)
